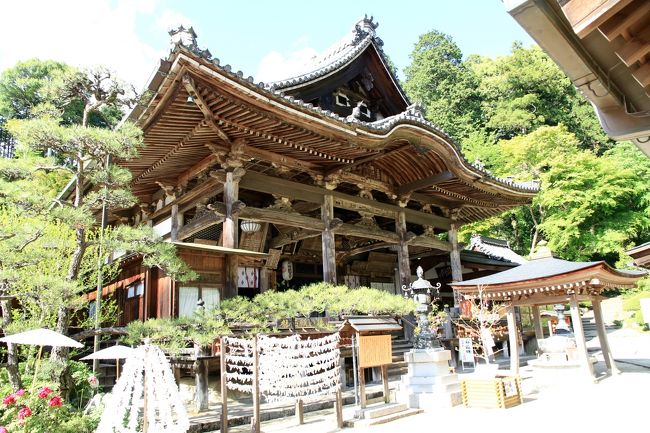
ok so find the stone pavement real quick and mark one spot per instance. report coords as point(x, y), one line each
point(613, 404)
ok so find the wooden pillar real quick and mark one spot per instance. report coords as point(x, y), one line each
point(339, 409)
point(602, 337)
point(454, 255)
point(512, 339)
point(231, 231)
point(300, 412)
point(255, 422)
point(384, 380)
point(174, 218)
point(329, 250)
point(537, 322)
point(362, 388)
point(264, 279)
point(403, 262)
point(579, 333)
point(224, 386)
point(201, 380)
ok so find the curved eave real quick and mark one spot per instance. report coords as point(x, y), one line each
point(370, 136)
point(596, 274)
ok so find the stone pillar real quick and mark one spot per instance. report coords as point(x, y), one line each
point(537, 322)
point(512, 339)
point(579, 334)
point(329, 250)
point(602, 337)
point(403, 263)
point(454, 255)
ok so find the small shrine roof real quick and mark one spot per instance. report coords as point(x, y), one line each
point(495, 248)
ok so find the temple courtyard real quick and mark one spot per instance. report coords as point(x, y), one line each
point(614, 403)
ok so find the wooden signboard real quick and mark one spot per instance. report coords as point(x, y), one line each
point(375, 350)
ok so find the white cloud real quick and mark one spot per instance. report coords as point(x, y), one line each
point(82, 33)
point(170, 19)
point(276, 66)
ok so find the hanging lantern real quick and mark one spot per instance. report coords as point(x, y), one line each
point(250, 226)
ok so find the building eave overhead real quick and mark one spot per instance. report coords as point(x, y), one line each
point(603, 48)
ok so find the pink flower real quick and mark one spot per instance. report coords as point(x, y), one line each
point(3, 429)
point(93, 381)
point(44, 392)
point(19, 393)
point(24, 412)
point(9, 400)
point(55, 401)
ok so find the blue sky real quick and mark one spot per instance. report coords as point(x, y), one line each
point(261, 38)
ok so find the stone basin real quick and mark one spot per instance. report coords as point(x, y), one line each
point(556, 344)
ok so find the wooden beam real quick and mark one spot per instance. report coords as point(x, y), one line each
point(636, 48)
point(258, 182)
point(425, 182)
point(278, 217)
point(343, 256)
point(203, 106)
point(619, 23)
point(197, 224)
point(367, 159)
point(586, 15)
point(208, 188)
point(197, 169)
point(294, 236)
point(429, 242)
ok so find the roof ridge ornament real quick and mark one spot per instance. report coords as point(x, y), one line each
point(416, 110)
point(366, 27)
point(187, 38)
point(542, 251)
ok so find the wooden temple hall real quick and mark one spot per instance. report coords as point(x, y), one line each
point(332, 175)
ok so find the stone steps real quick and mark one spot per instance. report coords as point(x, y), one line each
point(381, 414)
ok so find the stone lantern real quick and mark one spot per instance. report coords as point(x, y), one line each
point(423, 293)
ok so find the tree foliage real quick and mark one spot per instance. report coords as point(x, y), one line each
point(522, 117)
point(265, 311)
point(50, 246)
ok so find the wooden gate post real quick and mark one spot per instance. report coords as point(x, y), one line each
point(224, 387)
point(300, 412)
point(339, 409)
point(255, 422)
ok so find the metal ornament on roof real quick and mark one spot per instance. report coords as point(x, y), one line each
point(423, 293)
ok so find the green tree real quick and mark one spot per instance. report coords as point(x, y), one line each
point(69, 228)
point(438, 79)
point(25, 86)
point(525, 90)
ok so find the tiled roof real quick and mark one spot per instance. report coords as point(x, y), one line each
point(495, 248)
point(340, 54)
point(413, 115)
point(537, 269)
